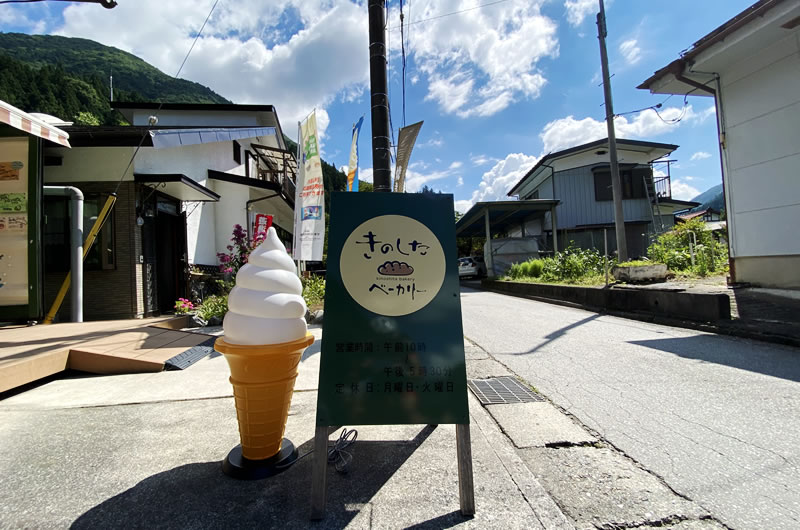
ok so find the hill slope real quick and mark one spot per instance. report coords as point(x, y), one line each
point(711, 198)
point(87, 59)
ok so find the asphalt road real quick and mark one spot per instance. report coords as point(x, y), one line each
point(715, 417)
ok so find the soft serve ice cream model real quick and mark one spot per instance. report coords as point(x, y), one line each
point(264, 338)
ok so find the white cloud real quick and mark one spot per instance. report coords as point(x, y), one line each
point(230, 56)
point(630, 51)
point(577, 10)
point(480, 61)
point(480, 160)
point(460, 181)
point(457, 164)
point(497, 182)
point(568, 132)
point(700, 155)
point(683, 191)
point(415, 180)
point(365, 174)
point(706, 114)
point(433, 142)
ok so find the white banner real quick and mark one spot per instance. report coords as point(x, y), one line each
point(309, 204)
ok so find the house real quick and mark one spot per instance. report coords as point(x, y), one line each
point(707, 215)
point(23, 138)
point(749, 66)
point(184, 175)
point(580, 179)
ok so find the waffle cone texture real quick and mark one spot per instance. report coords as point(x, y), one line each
point(263, 382)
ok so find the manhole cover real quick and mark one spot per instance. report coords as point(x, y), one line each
point(501, 390)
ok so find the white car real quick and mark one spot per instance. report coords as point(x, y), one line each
point(472, 266)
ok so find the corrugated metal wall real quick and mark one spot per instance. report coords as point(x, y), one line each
point(575, 189)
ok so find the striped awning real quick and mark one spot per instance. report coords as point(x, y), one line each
point(23, 121)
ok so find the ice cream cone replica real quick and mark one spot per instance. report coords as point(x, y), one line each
point(265, 336)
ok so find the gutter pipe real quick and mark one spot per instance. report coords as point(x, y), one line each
point(76, 245)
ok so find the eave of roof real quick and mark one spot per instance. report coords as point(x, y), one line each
point(149, 105)
point(721, 33)
point(586, 147)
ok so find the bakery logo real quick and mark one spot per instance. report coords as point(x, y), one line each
point(392, 265)
point(395, 268)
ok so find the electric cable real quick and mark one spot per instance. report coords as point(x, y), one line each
point(454, 12)
point(154, 119)
point(337, 453)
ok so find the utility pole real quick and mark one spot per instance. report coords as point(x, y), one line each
point(616, 184)
point(381, 154)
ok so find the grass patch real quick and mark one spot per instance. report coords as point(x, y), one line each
point(638, 263)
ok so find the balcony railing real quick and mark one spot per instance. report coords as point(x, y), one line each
point(663, 187)
point(275, 165)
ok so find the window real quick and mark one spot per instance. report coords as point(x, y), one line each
point(237, 152)
point(57, 235)
point(535, 195)
point(632, 180)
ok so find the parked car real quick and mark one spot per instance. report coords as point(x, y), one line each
point(472, 266)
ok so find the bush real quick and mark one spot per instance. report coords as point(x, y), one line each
point(672, 249)
point(213, 306)
point(515, 272)
point(572, 264)
point(314, 290)
point(536, 266)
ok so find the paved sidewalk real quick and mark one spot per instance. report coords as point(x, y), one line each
point(145, 450)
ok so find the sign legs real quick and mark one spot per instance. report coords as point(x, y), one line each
point(466, 489)
point(318, 476)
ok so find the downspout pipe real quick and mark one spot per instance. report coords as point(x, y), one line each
point(76, 245)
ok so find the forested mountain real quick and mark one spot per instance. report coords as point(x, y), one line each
point(69, 78)
point(711, 198)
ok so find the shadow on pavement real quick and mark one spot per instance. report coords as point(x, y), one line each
point(199, 495)
point(557, 334)
point(753, 357)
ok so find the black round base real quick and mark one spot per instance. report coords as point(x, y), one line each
point(239, 467)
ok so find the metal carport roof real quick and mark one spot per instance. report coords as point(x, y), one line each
point(502, 215)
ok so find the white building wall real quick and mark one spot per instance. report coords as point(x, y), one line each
point(89, 164)
point(761, 108)
point(229, 211)
point(209, 224)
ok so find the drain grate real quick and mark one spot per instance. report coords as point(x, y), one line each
point(502, 390)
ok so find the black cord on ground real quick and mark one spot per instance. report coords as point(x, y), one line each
point(336, 453)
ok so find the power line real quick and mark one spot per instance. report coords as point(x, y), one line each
point(453, 13)
point(154, 118)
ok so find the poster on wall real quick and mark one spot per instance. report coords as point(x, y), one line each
point(309, 204)
point(14, 285)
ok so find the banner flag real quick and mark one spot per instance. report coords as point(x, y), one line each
point(309, 204)
point(352, 167)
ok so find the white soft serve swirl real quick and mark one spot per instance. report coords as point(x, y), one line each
point(266, 306)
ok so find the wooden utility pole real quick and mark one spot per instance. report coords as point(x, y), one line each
point(381, 144)
point(616, 184)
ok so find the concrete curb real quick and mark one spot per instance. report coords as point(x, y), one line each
point(574, 297)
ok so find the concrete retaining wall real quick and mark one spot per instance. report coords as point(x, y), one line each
point(680, 305)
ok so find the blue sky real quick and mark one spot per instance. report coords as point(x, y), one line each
point(498, 84)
